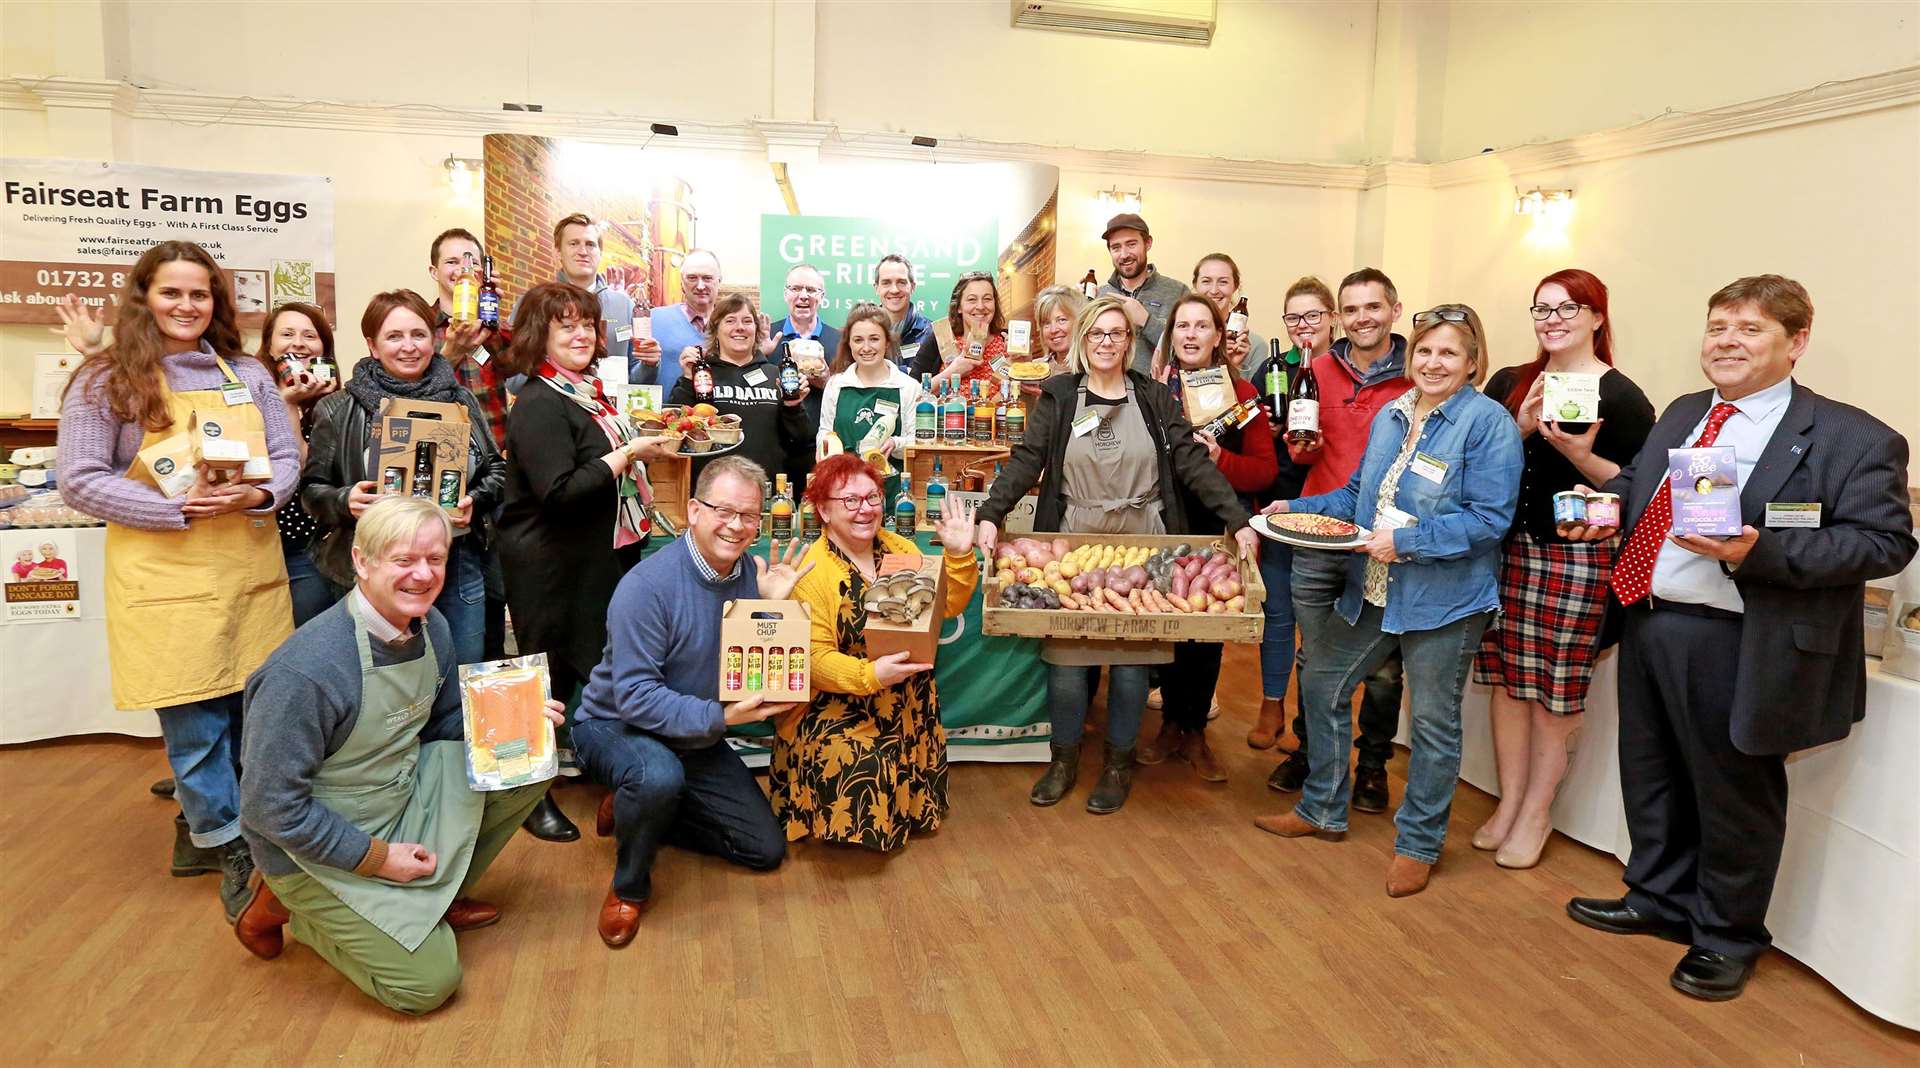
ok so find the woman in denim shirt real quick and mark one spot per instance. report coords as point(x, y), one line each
point(1437, 489)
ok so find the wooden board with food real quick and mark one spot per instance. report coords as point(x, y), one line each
point(1123, 586)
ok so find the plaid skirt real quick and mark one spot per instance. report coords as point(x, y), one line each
point(1542, 645)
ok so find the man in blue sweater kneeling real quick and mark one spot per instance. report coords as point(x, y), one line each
point(649, 725)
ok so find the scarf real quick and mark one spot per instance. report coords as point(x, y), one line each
point(371, 384)
point(635, 492)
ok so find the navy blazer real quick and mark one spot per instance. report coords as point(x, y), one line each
point(1802, 675)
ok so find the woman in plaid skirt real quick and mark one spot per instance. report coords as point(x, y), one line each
point(1538, 655)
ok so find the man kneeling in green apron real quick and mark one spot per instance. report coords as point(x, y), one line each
point(355, 799)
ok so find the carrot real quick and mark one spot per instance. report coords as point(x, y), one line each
point(1134, 598)
point(1118, 602)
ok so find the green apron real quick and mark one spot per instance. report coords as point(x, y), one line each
point(388, 784)
point(853, 417)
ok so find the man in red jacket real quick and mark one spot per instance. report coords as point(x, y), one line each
point(1363, 373)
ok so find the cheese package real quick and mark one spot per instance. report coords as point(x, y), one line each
point(1019, 337)
point(259, 466)
point(1207, 394)
point(168, 464)
point(509, 739)
point(217, 443)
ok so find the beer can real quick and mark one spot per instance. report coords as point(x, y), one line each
point(393, 480)
point(449, 488)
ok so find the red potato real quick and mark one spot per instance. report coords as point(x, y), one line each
point(1178, 586)
point(1060, 549)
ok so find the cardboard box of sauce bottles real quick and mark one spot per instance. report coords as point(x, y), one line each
point(764, 651)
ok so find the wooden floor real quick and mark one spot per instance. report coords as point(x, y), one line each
point(1171, 933)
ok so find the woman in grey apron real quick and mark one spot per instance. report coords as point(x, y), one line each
point(1113, 448)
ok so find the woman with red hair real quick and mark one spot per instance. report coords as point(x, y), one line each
point(865, 763)
point(1538, 655)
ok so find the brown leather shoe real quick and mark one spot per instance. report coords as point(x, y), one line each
point(1292, 825)
point(467, 914)
point(1164, 745)
point(1406, 876)
point(259, 927)
point(1197, 752)
point(603, 817)
point(1266, 729)
point(619, 919)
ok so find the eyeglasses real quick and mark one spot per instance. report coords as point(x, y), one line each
point(815, 290)
point(1118, 337)
point(728, 516)
point(854, 504)
point(1311, 318)
point(1542, 312)
point(1446, 313)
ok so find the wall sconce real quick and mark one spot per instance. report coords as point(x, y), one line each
point(1537, 201)
point(462, 174)
point(1113, 199)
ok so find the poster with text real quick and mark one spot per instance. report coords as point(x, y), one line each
point(76, 226)
point(846, 251)
point(41, 580)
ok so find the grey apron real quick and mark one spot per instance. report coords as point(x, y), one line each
point(1110, 484)
point(388, 784)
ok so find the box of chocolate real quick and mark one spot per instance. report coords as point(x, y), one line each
point(1706, 491)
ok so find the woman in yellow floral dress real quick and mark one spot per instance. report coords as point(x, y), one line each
point(866, 762)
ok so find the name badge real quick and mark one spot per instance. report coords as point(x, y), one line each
point(1391, 518)
point(1085, 423)
point(1793, 515)
point(481, 356)
point(755, 377)
point(235, 394)
point(623, 334)
point(1434, 471)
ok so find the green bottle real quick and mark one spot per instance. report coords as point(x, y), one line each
point(903, 510)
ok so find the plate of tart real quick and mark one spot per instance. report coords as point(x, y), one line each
point(1309, 531)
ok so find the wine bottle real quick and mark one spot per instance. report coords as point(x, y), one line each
point(1090, 285)
point(1303, 411)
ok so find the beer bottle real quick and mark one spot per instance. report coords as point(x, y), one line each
point(489, 299)
point(703, 379)
point(1237, 319)
point(791, 380)
point(466, 295)
point(780, 512)
point(1090, 285)
point(1303, 411)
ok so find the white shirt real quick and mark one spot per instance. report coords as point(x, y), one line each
point(377, 624)
point(1688, 577)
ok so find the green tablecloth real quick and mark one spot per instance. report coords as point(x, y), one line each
point(993, 690)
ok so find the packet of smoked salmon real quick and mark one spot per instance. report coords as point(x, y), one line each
point(509, 738)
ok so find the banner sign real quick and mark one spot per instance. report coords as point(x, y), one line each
point(42, 579)
point(847, 250)
point(72, 226)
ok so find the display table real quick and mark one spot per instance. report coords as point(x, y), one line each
point(1843, 904)
point(54, 677)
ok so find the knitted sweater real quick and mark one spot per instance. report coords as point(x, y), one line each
point(97, 449)
point(661, 670)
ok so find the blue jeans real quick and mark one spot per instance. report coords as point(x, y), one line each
point(203, 748)
point(1068, 693)
point(1318, 577)
point(699, 799)
point(311, 594)
point(463, 599)
point(1436, 663)
point(1276, 641)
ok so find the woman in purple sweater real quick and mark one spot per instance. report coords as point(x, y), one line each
point(196, 590)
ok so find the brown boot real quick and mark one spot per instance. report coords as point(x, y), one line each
point(1266, 730)
point(1197, 752)
point(1165, 744)
point(259, 927)
point(1406, 876)
point(1291, 825)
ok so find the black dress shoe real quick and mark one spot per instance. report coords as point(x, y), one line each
point(547, 823)
point(1370, 790)
point(161, 788)
point(1614, 916)
point(1710, 976)
point(1290, 775)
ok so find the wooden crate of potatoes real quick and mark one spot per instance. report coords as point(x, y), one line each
point(1124, 586)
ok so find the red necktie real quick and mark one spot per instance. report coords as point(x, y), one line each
point(1633, 575)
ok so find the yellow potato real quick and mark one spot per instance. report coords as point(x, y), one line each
point(1069, 567)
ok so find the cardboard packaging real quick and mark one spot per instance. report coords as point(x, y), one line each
point(1570, 396)
point(1207, 394)
point(920, 636)
point(216, 443)
point(422, 450)
point(764, 650)
point(259, 466)
point(1706, 491)
point(168, 464)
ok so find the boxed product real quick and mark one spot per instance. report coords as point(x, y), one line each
point(1019, 337)
point(168, 464)
point(1569, 396)
point(1901, 654)
point(904, 605)
point(1876, 615)
point(1706, 491)
point(259, 466)
point(509, 739)
point(422, 450)
point(217, 442)
point(763, 650)
point(1207, 394)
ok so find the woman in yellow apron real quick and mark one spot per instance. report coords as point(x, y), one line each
point(196, 590)
point(356, 800)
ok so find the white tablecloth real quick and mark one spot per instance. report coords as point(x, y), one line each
point(54, 678)
point(1844, 904)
